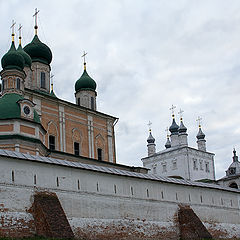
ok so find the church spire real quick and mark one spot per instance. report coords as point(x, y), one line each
point(35, 16)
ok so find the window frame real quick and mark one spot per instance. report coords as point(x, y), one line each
point(52, 145)
point(43, 80)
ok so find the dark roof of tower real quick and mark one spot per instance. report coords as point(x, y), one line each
point(182, 128)
point(85, 82)
point(27, 58)
point(150, 139)
point(12, 59)
point(200, 134)
point(174, 127)
point(38, 51)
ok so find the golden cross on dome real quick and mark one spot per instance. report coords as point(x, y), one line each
point(35, 15)
point(172, 109)
point(199, 119)
point(181, 113)
point(149, 126)
point(84, 59)
point(20, 35)
point(12, 27)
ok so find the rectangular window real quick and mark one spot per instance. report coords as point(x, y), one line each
point(195, 164)
point(201, 164)
point(164, 167)
point(99, 154)
point(51, 142)
point(43, 80)
point(174, 165)
point(3, 83)
point(207, 167)
point(92, 103)
point(78, 101)
point(18, 83)
point(76, 148)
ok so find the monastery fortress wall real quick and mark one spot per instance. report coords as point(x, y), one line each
point(107, 203)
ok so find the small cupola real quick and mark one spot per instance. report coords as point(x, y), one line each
point(85, 90)
point(151, 146)
point(182, 128)
point(85, 82)
point(168, 143)
point(12, 59)
point(200, 135)
point(201, 142)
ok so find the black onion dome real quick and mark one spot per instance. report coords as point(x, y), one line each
point(168, 143)
point(174, 127)
point(38, 51)
point(182, 128)
point(200, 134)
point(150, 139)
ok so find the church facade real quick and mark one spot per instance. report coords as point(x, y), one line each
point(34, 120)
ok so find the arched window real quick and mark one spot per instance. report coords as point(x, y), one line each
point(99, 154)
point(52, 142)
point(233, 185)
point(43, 80)
point(76, 148)
point(92, 103)
point(18, 83)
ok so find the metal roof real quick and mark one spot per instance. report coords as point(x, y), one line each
point(49, 160)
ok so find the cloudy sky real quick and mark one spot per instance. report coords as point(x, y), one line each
point(145, 55)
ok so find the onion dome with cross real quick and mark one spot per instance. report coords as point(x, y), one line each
point(85, 82)
point(200, 135)
point(182, 128)
point(38, 51)
point(12, 59)
point(174, 127)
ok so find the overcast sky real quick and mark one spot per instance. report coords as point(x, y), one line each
point(145, 55)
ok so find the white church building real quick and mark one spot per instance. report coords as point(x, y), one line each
point(178, 159)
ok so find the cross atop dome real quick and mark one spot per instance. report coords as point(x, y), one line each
point(172, 110)
point(149, 126)
point(84, 59)
point(12, 27)
point(35, 16)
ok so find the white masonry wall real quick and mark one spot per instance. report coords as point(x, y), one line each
point(100, 203)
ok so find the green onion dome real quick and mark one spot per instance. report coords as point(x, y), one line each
point(10, 108)
point(27, 58)
point(12, 59)
point(85, 82)
point(38, 51)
